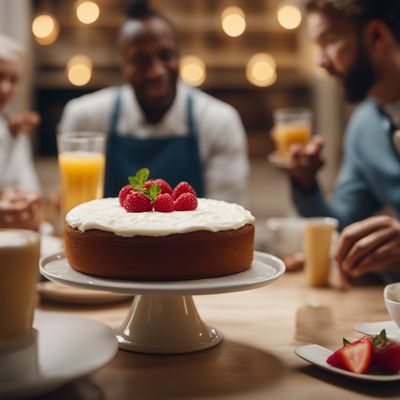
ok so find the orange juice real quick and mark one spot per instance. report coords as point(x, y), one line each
point(317, 244)
point(285, 135)
point(82, 177)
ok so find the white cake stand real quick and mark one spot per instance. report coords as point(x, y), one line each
point(163, 318)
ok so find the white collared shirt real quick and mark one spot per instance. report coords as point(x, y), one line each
point(16, 164)
point(222, 139)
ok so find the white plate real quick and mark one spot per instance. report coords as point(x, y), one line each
point(374, 328)
point(68, 347)
point(317, 356)
point(53, 291)
point(264, 270)
point(49, 245)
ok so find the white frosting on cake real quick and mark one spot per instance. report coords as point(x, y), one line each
point(108, 215)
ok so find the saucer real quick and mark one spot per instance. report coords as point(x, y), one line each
point(374, 328)
point(317, 356)
point(68, 347)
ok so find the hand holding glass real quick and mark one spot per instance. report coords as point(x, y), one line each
point(291, 126)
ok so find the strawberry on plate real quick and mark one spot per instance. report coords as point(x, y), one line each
point(355, 357)
point(386, 353)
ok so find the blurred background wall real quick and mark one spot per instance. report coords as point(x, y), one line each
point(54, 36)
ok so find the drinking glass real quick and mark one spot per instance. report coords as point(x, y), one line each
point(291, 126)
point(318, 234)
point(81, 158)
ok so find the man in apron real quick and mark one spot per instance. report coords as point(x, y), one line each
point(155, 121)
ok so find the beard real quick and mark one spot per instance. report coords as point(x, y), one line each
point(359, 79)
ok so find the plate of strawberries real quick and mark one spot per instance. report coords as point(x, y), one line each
point(372, 358)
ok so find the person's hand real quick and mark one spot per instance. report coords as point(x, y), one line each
point(20, 209)
point(294, 262)
point(369, 245)
point(23, 123)
point(305, 162)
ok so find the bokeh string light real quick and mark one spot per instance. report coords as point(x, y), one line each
point(261, 70)
point(192, 70)
point(233, 21)
point(87, 12)
point(79, 70)
point(289, 16)
point(45, 29)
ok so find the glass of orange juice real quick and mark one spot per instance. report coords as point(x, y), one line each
point(291, 126)
point(318, 233)
point(81, 159)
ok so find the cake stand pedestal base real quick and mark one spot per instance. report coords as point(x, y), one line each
point(163, 318)
point(165, 324)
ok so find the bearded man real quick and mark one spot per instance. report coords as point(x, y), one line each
point(359, 42)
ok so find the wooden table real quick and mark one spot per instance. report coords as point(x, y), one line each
point(256, 358)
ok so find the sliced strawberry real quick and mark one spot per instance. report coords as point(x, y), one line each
point(387, 353)
point(181, 188)
point(137, 202)
point(123, 193)
point(185, 202)
point(355, 357)
point(164, 203)
point(335, 361)
point(164, 186)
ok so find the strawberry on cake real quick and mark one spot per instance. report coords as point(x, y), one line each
point(154, 232)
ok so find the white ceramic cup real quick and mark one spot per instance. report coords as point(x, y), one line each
point(391, 295)
point(285, 235)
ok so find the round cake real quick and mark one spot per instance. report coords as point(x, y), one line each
point(215, 239)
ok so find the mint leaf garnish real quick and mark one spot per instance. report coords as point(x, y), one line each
point(137, 181)
point(346, 342)
point(153, 191)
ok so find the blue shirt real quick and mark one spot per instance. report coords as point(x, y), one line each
point(369, 178)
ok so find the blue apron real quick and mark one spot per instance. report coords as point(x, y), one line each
point(174, 158)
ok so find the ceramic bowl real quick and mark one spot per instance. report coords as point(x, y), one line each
point(391, 295)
